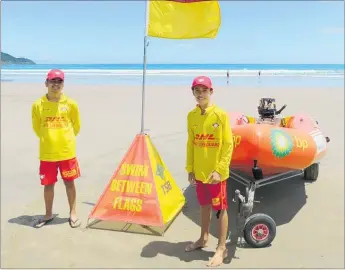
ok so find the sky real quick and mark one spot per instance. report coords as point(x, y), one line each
point(81, 32)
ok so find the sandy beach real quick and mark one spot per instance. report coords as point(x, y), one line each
point(309, 216)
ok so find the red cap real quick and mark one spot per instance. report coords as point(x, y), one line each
point(202, 80)
point(55, 74)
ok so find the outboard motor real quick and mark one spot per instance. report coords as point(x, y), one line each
point(267, 108)
point(268, 112)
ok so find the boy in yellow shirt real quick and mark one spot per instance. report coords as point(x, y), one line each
point(209, 151)
point(56, 122)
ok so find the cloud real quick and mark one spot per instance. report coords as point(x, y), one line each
point(333, 30)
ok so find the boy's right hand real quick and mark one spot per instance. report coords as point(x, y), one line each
point(191, 178)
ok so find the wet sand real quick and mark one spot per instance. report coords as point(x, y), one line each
point(310, 216)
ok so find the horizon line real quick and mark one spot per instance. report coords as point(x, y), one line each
point(133, 63)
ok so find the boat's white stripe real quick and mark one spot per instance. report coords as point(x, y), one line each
point(315, 132)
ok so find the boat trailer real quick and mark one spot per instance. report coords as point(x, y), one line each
point(259, 230)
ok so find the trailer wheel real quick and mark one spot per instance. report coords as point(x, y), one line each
point(259, 230)
point(312, 172)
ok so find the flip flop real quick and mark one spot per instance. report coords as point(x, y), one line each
point(74, 224)
point(41, 222)
point(194, 246)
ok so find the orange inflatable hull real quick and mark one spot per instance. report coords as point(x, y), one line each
point(295, 144)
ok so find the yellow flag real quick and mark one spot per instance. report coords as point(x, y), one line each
point(184, 19)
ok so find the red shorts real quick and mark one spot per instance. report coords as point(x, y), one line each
point(69, 171)
point(212, 194)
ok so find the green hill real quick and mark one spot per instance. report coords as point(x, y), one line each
point(9, 59)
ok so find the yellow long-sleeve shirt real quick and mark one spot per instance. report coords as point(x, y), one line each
point(210, 143)
point(56, 124)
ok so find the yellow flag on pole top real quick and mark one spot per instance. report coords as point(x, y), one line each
point(183, 19)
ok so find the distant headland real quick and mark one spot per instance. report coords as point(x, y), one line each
point(9, 59)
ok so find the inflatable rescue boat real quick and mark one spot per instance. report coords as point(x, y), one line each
point(276, 144)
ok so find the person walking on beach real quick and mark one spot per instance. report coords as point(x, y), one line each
point(56, 122)
point(227, 77)
point(209, 152)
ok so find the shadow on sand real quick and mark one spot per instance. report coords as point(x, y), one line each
point(282, 201)
point(176, 250)
point(30, 221)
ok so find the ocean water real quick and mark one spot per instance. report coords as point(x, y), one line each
point(310, 75)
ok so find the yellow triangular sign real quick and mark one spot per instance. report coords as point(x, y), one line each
point(170, 197)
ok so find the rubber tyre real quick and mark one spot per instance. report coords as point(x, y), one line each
point(255, 220)
point(312, 172)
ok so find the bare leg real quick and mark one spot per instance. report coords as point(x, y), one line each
point(205, 216)
point(48, 200)
point(221, 251)
point(71, 195)
point(223, 228)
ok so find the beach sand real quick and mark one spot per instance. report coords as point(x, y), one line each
point(310, 216)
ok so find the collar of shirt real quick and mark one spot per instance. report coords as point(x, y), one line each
point(208, 109)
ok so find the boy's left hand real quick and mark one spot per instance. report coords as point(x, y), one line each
point(215, 178)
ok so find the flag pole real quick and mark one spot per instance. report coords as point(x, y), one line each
point(144, 67)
